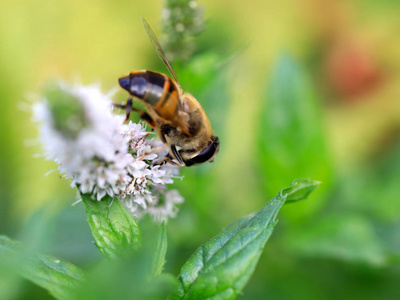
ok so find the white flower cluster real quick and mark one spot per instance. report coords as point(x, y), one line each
point(108, 157)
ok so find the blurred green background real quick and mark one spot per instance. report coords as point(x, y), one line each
point(306, 88)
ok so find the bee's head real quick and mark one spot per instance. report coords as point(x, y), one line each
point(207, 154)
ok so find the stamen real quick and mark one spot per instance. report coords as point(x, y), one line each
point(76, 202)
point(49, 172)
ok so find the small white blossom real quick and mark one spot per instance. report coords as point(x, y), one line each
point(107, 157)
point(161, 207)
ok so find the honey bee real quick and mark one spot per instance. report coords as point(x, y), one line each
point(178, 117)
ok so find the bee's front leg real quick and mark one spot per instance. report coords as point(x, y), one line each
point(168, 159)
point(174, 154)
point(153, 151)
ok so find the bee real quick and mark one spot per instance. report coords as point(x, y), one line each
point(178, 117)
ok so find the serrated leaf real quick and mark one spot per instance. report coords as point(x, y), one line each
point(114, 230)
point(291, 137)
point(160, 251)
point(221, 267)
point(59, 277)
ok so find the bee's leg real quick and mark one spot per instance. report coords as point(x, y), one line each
point(147, 118)
point(176, 155)
point(153, 151)
point(168, 159)
point(128, 107)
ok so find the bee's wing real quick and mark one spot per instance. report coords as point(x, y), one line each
point(159, 50)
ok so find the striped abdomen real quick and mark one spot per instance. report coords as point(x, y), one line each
point(154, 89)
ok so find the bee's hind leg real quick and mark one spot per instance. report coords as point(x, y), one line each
point(128, 107)
point(147, 118)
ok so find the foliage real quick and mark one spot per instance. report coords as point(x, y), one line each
point(220, 268)
point(114, 229)
point(278, 117)
point(291, 137)
point(60, 278)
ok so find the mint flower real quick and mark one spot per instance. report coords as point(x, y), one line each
point(101, 155)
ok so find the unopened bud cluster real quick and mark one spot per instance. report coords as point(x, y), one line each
point(181, 21)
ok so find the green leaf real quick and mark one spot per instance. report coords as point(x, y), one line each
point(127, 278)
point(345, 237)
point(299, 189)
point(291, 136)
point(160, 251)
point(60, 278)
point(221, 267)
point(114, 230)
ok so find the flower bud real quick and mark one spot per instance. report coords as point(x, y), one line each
point(181, 21)
point(67, 111)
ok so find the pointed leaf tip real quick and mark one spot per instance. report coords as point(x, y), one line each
point(299, 189)
point(221, 267)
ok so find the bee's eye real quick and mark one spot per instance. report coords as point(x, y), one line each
point(204, 155)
